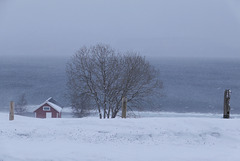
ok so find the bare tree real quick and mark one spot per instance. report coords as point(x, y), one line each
point(105, 76)
point(21, 104)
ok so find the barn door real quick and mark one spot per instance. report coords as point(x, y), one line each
point(48, 114)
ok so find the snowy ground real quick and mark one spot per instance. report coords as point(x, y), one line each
point(184, 138)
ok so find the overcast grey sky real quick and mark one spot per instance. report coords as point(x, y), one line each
point(152, 27)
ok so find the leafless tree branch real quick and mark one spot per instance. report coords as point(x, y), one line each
point(102, 76)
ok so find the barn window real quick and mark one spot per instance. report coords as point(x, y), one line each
point(46, 108)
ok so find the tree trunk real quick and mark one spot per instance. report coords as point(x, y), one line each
point(105, 110)
point(109, 110)
point(99, 112)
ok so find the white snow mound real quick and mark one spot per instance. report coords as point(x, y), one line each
point(141, 139)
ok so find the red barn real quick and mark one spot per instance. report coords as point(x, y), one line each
point(49, 109)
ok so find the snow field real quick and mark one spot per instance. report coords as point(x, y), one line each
point(89, 139)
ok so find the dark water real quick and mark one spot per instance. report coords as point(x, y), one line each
point(38, 78)
point(197, 85)
point(190, 85)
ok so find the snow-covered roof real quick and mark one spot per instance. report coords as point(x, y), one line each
point(53, 103)
point(56, 107)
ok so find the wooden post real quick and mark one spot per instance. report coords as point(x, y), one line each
point(226, 106)
point(11, 112)
point(124, 107)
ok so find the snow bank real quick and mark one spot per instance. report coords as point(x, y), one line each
point(155, 138)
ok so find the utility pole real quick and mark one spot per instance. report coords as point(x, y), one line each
point(124, 107)
point(11, 111)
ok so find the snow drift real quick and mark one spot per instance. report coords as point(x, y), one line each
point(156, 138)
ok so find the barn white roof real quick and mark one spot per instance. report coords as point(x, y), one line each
point(56, 107)
point(54, 104)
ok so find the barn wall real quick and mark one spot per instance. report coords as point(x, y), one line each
point(42, 114)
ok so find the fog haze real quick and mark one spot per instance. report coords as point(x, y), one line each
point(189, 28)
